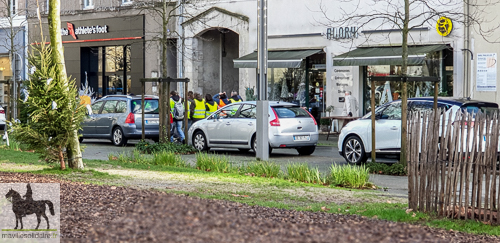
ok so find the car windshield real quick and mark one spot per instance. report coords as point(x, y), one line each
point(290, 112)
point(151, 106)
point(377, 109)
point(488, 109)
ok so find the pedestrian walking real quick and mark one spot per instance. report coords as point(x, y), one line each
point(210, 105)
point(199, 108)
point(177, 110)
point(350, 105)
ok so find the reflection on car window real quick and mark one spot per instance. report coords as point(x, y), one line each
point(109, 107)
point(427, 106)
point(474, 109)
point(150, 107)
point(248, 111)
point(228, 111)
point(392, 112)
point(96, 107)
point(121, 107)
point(290, 112)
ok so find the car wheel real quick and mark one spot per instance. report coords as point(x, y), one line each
point(118, 137)
point(354, 152)
point(243, 150)
point(306, 150)
point(254, 145)
point(200, 141)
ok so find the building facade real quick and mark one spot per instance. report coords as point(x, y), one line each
point(313, 61)
point(13, 45)
point(110, 45)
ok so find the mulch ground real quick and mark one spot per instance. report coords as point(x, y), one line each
point(93, 213)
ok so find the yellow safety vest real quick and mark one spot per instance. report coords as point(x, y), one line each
point(233, 100)
point(211, 109)
point(172, 104)
point(199, 109)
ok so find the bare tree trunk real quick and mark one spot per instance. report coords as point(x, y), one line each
point(73, 149)
point(404, 93)
point(61, 158)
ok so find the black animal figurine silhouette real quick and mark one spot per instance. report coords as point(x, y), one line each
point(21, 207)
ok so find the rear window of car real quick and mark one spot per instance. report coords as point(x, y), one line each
point(151, 106)
point(290, 112)
point(485, 108)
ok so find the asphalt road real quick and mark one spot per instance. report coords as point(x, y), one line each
point(323, 157)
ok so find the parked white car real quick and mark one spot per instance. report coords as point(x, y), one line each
point(355, 138)
point(234, 126)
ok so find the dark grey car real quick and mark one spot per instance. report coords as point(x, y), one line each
point(119, 118)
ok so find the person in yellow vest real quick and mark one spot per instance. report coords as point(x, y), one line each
point(199, 108)
point(191, 108)
point(210, 105)
point(235, 97)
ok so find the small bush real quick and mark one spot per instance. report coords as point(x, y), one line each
point(394, 169)
point(263, 169)
point(147, 148)
point(169, 159)
point(302, 172)
point(131, 157)
point(207, 162)
point(348, 176)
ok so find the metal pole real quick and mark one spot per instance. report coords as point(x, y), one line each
point(372, 104)
point(143, 105)
point(262, 103)
point(186, 107)
point(220, 62)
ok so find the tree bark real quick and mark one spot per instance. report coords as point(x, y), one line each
point(404, 93)
point(73, 149)
point(61, 159)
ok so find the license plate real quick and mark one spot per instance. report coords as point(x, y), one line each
point(301, 138)
point(152, 122)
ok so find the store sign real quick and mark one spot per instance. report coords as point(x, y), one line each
point(444, 26)
point(83, 30)
point(342, 33)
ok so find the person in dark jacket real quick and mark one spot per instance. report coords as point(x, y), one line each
point(191, 108)
point(177, 124)
point(221, 99)
point(210, 105)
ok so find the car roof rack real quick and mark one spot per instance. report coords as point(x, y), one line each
point(124, 96)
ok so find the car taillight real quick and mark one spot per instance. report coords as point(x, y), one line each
point(2, 112)
point(465, 123)
point(130, 118)
point(315, 123)
point(276, 121)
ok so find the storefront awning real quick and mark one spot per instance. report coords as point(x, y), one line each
point(366, 56)
point(276, 59)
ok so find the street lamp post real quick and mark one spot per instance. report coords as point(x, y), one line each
point(262, 138)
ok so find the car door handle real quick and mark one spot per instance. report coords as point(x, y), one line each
point(109, 117)
point(394, 128)
point(250, 124)
point(228, 123)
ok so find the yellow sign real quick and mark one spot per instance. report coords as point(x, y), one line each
point(444, 26)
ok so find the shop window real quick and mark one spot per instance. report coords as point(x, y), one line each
point(88, 4)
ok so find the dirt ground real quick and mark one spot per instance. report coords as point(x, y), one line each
point(94, 213)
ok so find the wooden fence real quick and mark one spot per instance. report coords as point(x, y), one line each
point(452, 166)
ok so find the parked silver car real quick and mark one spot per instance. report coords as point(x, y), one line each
point(234, 126)
point(119, 118)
